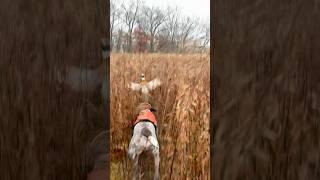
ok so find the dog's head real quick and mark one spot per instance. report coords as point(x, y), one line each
point(143, 106)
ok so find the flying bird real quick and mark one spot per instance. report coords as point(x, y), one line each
point(145, 87)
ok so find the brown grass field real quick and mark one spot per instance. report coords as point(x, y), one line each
point(182, 103)
point(266, 126)
point(45, 127)
point(266, 59)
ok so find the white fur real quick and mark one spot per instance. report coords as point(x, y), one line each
point(139, 143)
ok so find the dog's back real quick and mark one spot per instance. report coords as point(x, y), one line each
point(144, 139)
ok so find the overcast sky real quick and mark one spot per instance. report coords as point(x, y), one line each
point(193, 8)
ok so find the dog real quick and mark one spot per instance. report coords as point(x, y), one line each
point(144, 139)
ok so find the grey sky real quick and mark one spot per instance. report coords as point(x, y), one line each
point(193, 8)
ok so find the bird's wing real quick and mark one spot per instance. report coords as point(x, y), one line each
point(153, 84)
point(135, 86)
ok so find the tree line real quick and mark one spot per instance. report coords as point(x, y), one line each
point(138, 27)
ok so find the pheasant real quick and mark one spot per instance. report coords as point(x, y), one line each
point(145, 87)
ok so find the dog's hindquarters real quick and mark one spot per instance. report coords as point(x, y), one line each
point(144, 139)
point(153, 145)
point(145, 132)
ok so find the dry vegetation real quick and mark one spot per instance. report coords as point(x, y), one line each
point(266, 60)
point(45, 127)
point(182, 104)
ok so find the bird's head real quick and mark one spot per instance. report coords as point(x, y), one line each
point(142, 77)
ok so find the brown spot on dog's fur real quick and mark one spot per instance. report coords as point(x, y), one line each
point(146, 132)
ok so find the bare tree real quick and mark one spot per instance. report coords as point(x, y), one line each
point(151, 18)
point(168, 35)
point(205, 36)
point(129, 18)
point(187, 27)
point(119, 39)
point(165, 30)
point(114, 19)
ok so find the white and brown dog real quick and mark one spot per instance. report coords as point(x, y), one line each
point(144, 139)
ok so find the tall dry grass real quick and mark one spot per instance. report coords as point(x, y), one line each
point(266, 60)
point(45, 127)
point(182, 103)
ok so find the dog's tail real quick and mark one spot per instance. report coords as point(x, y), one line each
point(146, 132)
